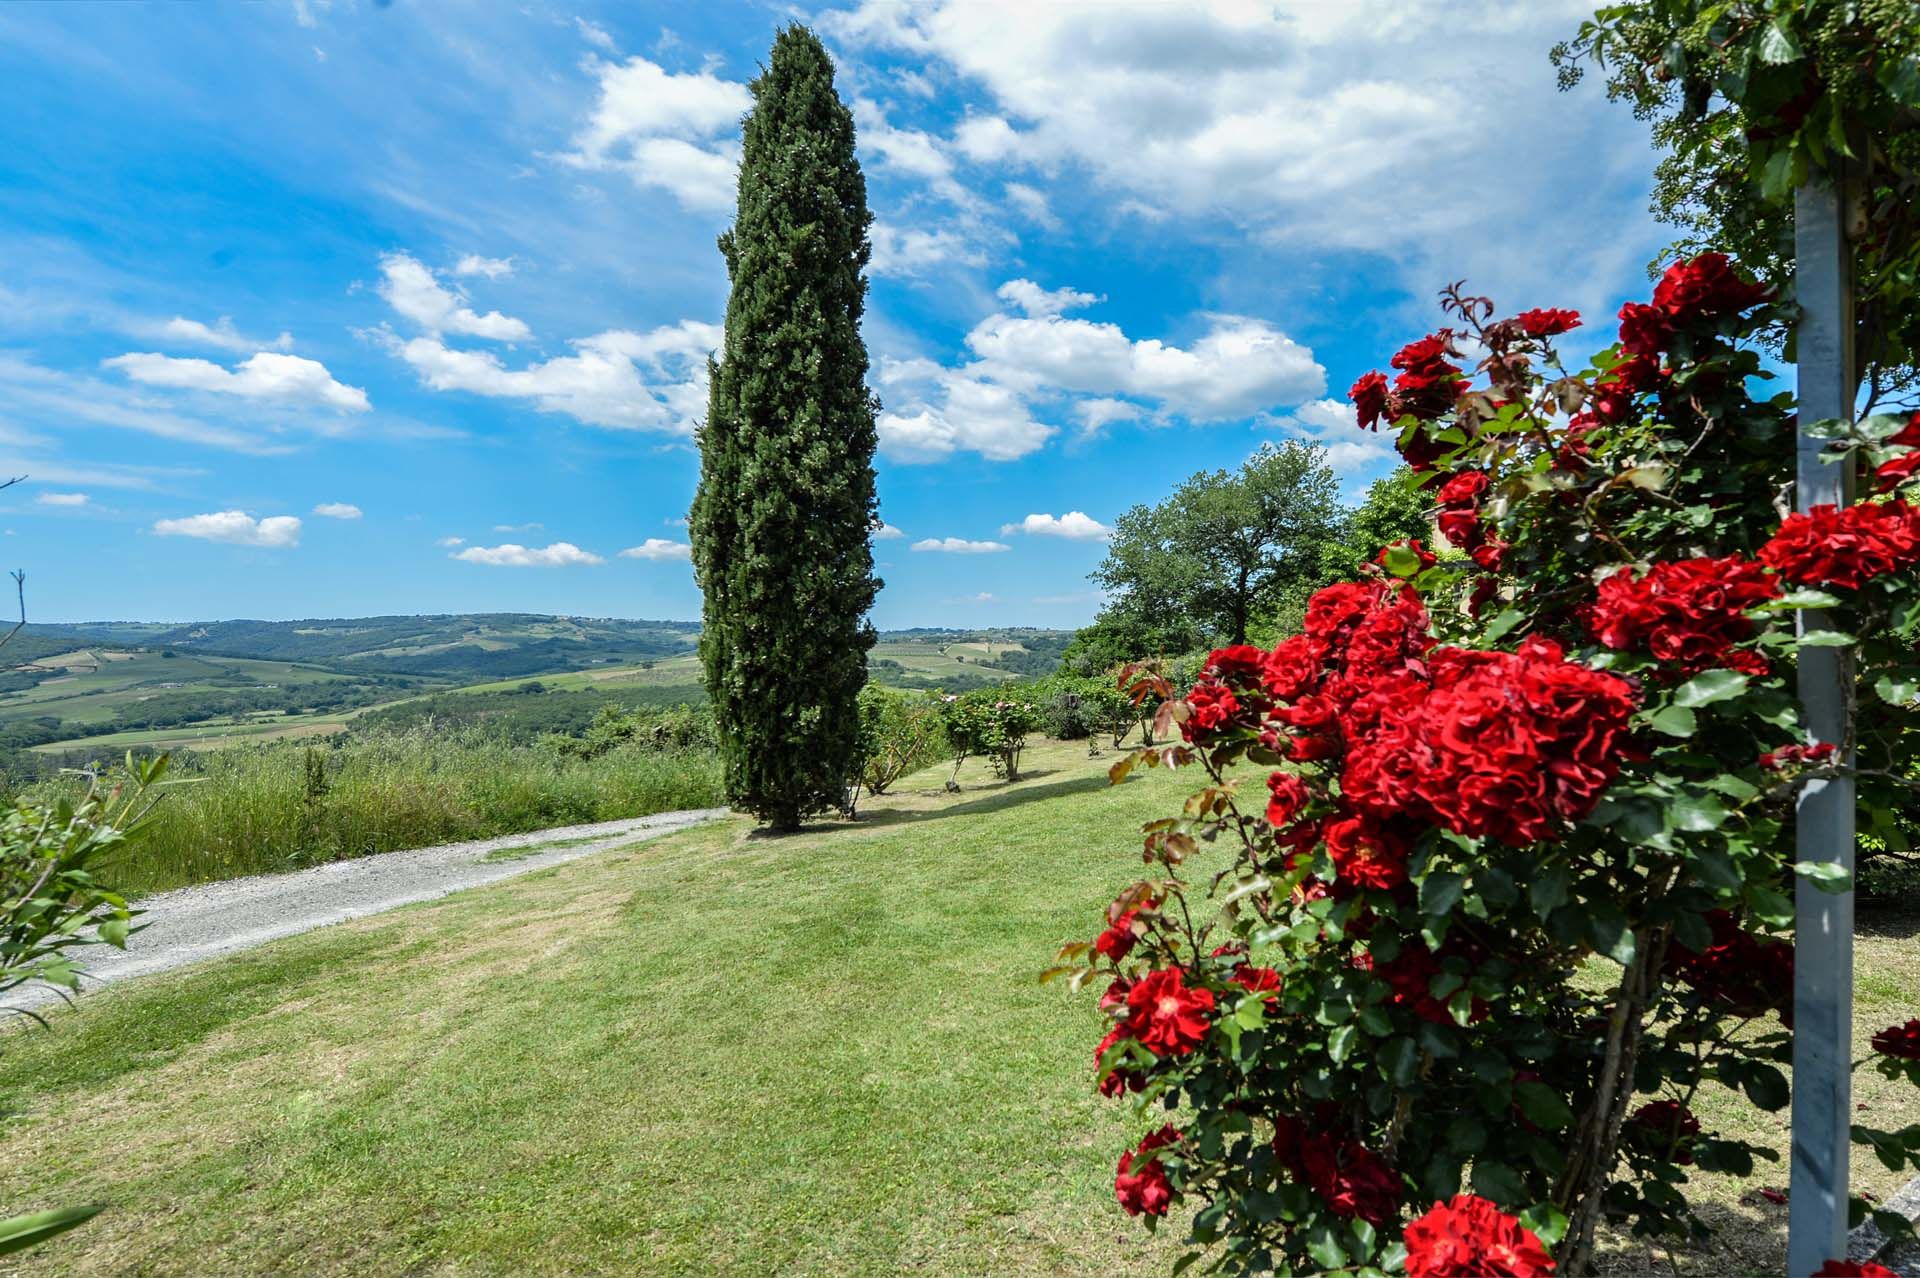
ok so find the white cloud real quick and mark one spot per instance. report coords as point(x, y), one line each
point(235, 528)
point(1238, 367)
point(288, 379)
point(1033, 203)
point(1307, 123)
point(603, 383)
point(412, 291)
point(533, 527)
point(675, 521)
point(63, 499)
point(887, 532)
point(911, 251)
point(594, 33)
point(1097, 414)
point(337, 510)
point(658, 548)
point(491, 267)
point(1074, 526)
point(560, 554)
point(1330, 424)
point(960, 546)
point(665, 129)
point(1037, 301)
point(221, 334)
point(451, 542)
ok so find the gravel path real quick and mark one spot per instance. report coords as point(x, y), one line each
point(194, 923)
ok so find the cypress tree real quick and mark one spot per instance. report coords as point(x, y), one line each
point(782, 523)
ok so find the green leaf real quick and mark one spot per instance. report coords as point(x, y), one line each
point(114, 932)
point(1766, 1086)
point(1825, 639)
point(1709, 687)
point(1828, 876)
point(30, 1231)
point(1401, 562)
point(1546, 1221)
point(1340, 1043)
point(1548, 891)
point(1695, 813)
point(1439, 893)
point(1323, 1244)
point(1607, 929)
point(1674, 721)
point(1796, 599)
point(1543, 1106)
point(1400, 1056)
point(1897, 690)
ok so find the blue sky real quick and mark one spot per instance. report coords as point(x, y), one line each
point(314, 309)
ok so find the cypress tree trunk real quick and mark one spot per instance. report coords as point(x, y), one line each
point(781, 524)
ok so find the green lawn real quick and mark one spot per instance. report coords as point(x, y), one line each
point(707, 1054)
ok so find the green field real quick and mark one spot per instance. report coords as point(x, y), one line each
point(708, 1054)
point(163, 686)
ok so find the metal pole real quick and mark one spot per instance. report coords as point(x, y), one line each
point(1823, 935)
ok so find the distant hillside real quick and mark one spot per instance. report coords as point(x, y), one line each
point(461, 647)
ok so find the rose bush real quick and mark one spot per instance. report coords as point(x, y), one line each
point(1360, 974)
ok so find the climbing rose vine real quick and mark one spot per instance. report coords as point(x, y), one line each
point(1488, 875)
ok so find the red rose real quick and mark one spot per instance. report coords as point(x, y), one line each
point(1146, 1191)
point(1471, 1238)
point(1663, 1126)
point(1902, 1042)
point(1427, 384)
point(1853, 1269)
point(1120, 1080)
point(1688, 612)
point(1240, 665)
point(1167, 1016)
point(1547, 323)
point(1845, 547)
point(1211, 705)
point(1705, 288)
point(1352, 1180)
point(1255, 980)
point(1366, 855)
point(1294, 666)
point(1739, 973)
point(1894, 473)
point(1369, 396)
point(1117, 941)
point(1791, 755)
point(1289, 794)
point(1644, 330)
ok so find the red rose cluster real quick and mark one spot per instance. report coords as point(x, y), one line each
point(1739, 972)
point(1902, 1042)
point(1689, 613)
point(1509, 745)
point(1350, 1178)
point(1471, 1238)
point(1425, 387)
point(1145, 1191)
point(1797, 755)
point(1853, 1269)
point(1847, 546)
point(1663, 1126)
point(1702, 290)
point(1905, 467)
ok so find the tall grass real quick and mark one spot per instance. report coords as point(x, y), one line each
point(258, 809)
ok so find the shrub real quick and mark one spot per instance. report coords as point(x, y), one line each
point(899, 734)
point(1483, 782)
point(993, 722)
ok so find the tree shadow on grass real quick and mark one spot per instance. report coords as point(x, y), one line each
point(1009, 795)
